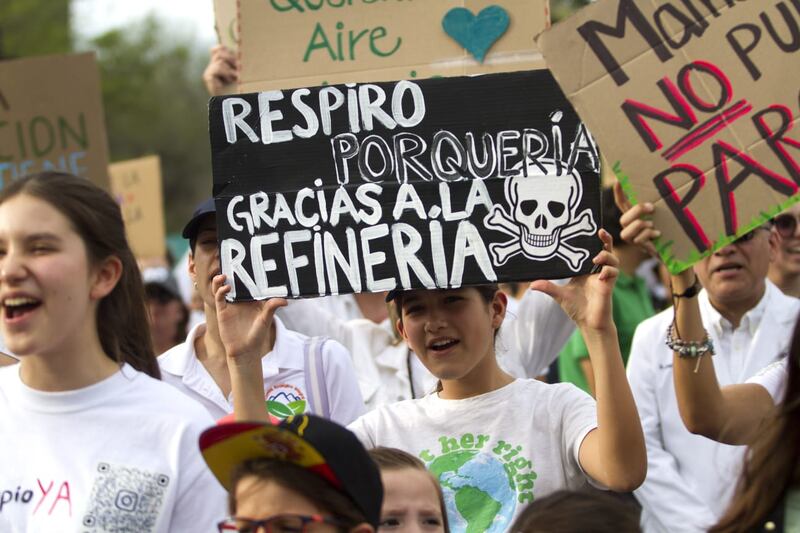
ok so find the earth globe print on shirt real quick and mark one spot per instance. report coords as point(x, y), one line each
point(479, 493)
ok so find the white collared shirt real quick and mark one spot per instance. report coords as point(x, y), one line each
point(284, 377)
point(690, 478)
point(731, 341)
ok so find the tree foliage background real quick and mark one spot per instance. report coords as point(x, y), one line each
point(156, 103)
point(154, 98)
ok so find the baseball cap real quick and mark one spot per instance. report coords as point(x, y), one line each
point(207, 207)
point(160, 276)
point(320, 446)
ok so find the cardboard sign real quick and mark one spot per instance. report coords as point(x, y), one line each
point(225, 23)
point(694, 104)
point(51, 118)
point(303, 43)
point(137, 186)
point(435, 183)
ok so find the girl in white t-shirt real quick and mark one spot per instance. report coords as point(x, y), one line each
point(495, 442)
point(89, 438)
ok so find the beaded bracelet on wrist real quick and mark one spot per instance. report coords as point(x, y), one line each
point(689, 349)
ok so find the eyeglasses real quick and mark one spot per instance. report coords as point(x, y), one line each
point(785, 225)
point(747, 237)
point(283, 523)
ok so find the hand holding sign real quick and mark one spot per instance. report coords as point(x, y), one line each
point(247, 330)
point(222, 71)
point(586, 299)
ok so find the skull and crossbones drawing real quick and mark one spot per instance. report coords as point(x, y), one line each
point(543, 202)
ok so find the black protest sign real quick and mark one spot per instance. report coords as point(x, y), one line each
point(427, 184)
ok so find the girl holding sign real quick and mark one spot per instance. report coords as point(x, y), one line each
point(89, 437)
point(492, 440)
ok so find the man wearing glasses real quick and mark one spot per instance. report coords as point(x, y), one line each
point(749, 321)
point(784, 271)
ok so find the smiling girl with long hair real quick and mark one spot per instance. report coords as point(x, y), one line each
point(90, 439)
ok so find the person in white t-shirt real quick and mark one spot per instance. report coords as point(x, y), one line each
point(199, 366)
point(495, 442)
point(90, 440)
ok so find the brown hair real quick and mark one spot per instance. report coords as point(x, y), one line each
point(121, 319)
point(586, 510)
point(771, 467)
point(298, 479)
point(486, 292)
point(394, 459)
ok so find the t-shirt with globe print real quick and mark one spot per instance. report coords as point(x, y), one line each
point(495, 453)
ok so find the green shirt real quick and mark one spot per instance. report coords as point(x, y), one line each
point(631, 305)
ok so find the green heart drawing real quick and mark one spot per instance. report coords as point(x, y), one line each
point(476, 33)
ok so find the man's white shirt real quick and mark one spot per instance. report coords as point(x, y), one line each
point(690, 478)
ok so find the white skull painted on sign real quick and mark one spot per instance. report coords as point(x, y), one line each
point(544, 199)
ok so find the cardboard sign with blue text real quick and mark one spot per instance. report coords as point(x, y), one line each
point(303, 43)
point(409, 184)
point(51, 118)
point(695, 105)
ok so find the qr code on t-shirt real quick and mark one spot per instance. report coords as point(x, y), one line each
point(124, 500)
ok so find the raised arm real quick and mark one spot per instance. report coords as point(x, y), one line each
point(248, 332)
point(614, 453)
point(732, 414)
point(222, 71)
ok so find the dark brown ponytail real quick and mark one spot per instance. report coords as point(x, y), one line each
point(121, 316)
point(771, 468)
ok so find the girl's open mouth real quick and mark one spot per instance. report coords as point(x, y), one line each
point(441, 345)
point(17, 308)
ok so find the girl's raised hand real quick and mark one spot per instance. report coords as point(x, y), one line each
point(587, 299)
point(246, 328)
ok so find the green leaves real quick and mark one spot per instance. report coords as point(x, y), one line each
point(298, 407)
point(282, 410)
point(278, 409)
